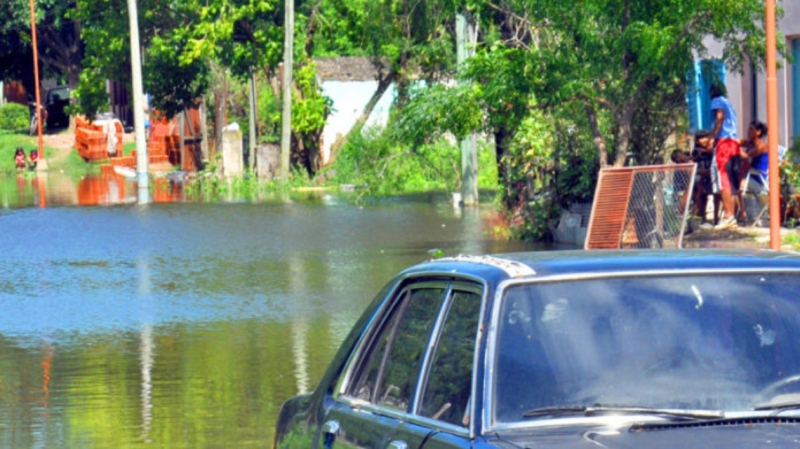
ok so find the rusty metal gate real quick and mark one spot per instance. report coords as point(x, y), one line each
point(641, 207)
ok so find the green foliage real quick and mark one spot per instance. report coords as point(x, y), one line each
point(310, 108)
point(187, 81)
point(106, 41)
point(91, 96)
point(269, 114)
point(432, 112)
point(376, 163)
point(14, 117)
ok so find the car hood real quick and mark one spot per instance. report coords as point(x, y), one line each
point(725, 433)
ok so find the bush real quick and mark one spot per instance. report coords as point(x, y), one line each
point(14, 117)
point(373, 159)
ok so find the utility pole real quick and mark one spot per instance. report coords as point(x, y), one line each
point(38, 110)
point(286, 124)
point(772, 123)
point(466, 36)
point(252, 121)
point(138, 106)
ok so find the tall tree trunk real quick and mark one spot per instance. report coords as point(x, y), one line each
point(502, 139)
point(597, 136)
point(624, 125)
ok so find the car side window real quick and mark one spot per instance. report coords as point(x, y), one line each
point(447, 392)
point(393, 363)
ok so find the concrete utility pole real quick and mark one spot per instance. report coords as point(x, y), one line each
point(465, 41)
point(138, 106)
point(772, 123)
point(252, 121)
point(286, 124)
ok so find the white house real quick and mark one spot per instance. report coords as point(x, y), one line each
point(747, 92)
point(349, 82)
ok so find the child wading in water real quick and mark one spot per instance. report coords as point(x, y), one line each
point(19, 159)
point(33, 160)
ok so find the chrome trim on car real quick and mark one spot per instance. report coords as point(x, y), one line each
point(369, 407)
point(491, 337)
point(422, 377)
point(512, 268)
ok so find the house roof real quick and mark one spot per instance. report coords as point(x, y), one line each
point(349, 68)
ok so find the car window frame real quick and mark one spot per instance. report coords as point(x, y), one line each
point(487, 412)
point(433, 344)
point(356, 359)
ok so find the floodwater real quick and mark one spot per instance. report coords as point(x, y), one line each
point(185, 324)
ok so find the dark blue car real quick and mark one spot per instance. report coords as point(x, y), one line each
point(579, 349)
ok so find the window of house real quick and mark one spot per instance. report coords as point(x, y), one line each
point(701, 77)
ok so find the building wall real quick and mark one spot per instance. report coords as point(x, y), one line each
point(748, 91)
point(349, 99)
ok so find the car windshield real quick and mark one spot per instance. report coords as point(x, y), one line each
point(722, 342)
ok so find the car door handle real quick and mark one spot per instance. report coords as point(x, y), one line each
point(397, 444)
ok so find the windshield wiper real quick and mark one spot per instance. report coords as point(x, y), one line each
point(556, 410)
point(778, 406)
point(604, 409)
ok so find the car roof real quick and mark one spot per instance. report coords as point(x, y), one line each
point(545, 263)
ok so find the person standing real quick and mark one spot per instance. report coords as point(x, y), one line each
point(727, 154)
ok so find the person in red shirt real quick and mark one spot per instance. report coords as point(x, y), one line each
point(727, 154)
point(19, 159)
point(33, 160)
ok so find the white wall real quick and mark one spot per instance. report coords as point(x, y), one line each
point(349, 99)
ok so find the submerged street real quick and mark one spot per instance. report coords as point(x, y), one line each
point(188, 324)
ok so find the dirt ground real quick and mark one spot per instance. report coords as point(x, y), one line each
point(64, 143)
point(741, 237)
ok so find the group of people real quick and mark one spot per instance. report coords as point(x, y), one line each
point(723, 161)
point(22, 161)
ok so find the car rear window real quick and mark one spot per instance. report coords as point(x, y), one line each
point(699, 342)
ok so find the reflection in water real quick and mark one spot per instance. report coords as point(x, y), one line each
point(146, 355)
point(49, 189)
point(300, 353)
point(187, 325)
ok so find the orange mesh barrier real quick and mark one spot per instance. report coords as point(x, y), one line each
point(640, 207)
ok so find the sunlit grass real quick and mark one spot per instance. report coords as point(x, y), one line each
point(792, 239)
point(9, 142)
point(8, 145)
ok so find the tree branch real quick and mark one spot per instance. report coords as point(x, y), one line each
point(685, 32)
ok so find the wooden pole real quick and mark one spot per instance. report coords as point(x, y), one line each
point(772, 124)
point(39, 112)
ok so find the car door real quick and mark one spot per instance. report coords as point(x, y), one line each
point(379, 388)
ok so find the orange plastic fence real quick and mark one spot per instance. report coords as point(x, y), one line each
point(164, 143)
point(91, 140)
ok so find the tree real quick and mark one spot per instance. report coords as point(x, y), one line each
point(405, 40)
point(191, 46)
point(58, 38)
point(603, 74)
point(606, 54)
